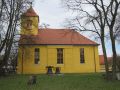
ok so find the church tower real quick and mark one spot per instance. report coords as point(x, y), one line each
point(29, 22)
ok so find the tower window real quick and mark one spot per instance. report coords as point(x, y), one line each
point(59, 56)
point(82, 59)
point(37, 55)
point(29, 24)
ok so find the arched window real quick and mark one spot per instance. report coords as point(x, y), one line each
point(29, 24)
point(59, 55)
point(82, 58)
point(37, 55)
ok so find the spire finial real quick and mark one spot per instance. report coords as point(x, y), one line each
point(31, 3)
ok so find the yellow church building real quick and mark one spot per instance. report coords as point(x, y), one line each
point(41, 49)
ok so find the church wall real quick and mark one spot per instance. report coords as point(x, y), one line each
point(48, 57)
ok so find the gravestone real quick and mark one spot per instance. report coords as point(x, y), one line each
point(49, 70)
point(57, 70)
point(118, 76)
point(32, 80)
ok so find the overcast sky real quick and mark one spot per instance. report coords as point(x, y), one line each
point(53, 13)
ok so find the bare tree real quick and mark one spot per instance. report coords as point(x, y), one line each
point(100, 20)
point(44, 25)
point(9, 23)
point(111, 14)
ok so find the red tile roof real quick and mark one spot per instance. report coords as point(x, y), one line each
point(30, 12)
point(57, 37)
point(101, 58)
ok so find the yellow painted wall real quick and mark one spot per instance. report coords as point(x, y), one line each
point(24, 29)
point(48, 57)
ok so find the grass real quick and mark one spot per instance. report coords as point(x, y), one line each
point(63, 82)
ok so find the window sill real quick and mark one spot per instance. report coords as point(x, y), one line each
point(37, 63)
point(82, 63)
point(60, 65)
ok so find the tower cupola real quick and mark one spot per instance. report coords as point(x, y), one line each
point(30, 13)
point(29, 22)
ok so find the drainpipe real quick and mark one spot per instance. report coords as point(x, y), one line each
point(94, 59)
point(47, 55)
point(22, 60)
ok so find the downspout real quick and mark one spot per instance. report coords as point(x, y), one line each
point(22, 60)
point(94, 59)
point(47, 55)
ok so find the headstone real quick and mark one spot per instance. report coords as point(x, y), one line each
point(32, 80)
point(49, 70)
point(57, 70)
point(118, 76)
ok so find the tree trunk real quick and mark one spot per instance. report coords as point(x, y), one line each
point(105, 58)
point(114, 55)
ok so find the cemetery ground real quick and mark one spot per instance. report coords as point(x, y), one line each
point(91, 81)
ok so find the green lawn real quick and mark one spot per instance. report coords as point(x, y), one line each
point(63, 82)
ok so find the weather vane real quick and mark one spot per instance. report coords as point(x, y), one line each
point(31, 4)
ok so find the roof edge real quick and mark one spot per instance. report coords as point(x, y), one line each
point(65, 44)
